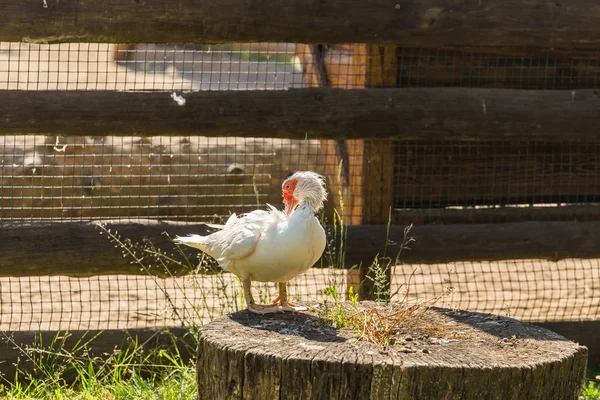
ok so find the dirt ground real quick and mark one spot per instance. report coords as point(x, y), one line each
point(120, 302)
point(530, 290)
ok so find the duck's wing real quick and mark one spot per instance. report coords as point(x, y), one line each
point(239, 241)
point(239, 237)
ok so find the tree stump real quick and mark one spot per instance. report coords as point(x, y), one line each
point(448, 354)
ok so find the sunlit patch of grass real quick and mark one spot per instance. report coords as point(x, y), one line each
point(590, 391)
point(591, 387)
point(57, 371)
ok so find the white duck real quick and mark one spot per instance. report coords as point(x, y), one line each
point(271, 246)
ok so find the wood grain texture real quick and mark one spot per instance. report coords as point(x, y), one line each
point(411, 22)
point(443, 174)
point(478, 242)
point(434, 216)
point(499, 67)
point(78, 249)
point(293, 356)
point(440, 113)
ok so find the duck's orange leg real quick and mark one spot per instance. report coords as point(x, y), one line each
point(283, 301)
point(258, 308)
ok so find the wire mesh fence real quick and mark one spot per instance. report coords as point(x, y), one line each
point(272, 66)
point(94, 66)
point(496, 181)
point(54, 179)
point(199, 178)
point(183, 178)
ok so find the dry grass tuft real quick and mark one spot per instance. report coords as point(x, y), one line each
point(379, 324)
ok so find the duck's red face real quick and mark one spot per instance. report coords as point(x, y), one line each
point(289, 200)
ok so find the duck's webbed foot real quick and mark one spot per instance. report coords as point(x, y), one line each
point(265, 308)
point(283, 302)
point(293, 308)
point(258, 308)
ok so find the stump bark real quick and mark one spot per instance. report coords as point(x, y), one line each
point(448, 354)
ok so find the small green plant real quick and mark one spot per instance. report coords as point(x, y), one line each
point(335, 250)
point(383, 266)
point(152, 259)
point(335, 312)
point(353, 297)
point(338, 313)
point(374, 324)
point(62, 370)
point(378, 274)
point(590, 391)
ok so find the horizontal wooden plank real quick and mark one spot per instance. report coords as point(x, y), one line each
point(411, 113)
point(499, 67)
point(495, 215)
point(478, 242)
point(410, 22)
point(78, 249)
point(464, 173)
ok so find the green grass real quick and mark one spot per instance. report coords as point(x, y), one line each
point(591, 388)
point(179, 384)
point(55, 371)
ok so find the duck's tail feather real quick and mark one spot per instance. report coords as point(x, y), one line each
point(196, 241)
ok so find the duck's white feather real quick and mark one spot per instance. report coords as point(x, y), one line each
point(265, 245)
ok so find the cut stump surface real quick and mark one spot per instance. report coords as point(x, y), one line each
point(444, 355)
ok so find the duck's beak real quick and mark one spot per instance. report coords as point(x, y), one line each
point(289, 207)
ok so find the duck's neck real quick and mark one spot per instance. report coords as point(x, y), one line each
point(305, 207)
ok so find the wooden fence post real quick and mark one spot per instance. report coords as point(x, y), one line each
point(360, 172)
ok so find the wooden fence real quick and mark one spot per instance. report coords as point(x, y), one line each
point(375, 111)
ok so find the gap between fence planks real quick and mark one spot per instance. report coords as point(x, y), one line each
point(407, 113)
point(409, 22)
point(78, 249)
